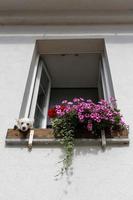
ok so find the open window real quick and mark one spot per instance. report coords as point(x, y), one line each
point(64, 70)
point(73, 75)
point(41, 96)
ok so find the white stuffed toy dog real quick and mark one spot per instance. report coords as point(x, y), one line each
point(24, 124)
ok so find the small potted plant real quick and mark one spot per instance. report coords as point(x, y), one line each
point(83, 118)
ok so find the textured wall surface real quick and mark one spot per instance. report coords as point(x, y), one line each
point(94, 174)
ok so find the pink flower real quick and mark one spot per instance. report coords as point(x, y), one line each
point(64, 101)
point(81, 99)
point(76, 100)
point(57, 106)
point(89, 101)
point(68, 109)
point(70, 103)
point(81, 118)
point(122, 121)
point(87, 115)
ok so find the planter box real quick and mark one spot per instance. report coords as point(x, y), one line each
point(46, 136)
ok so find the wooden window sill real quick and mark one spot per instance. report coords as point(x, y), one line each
point(46, 136)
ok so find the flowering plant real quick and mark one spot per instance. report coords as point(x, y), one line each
point(79, 114)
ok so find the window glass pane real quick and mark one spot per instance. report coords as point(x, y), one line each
point(38, 118)
point(41, 99)
point(100, 88)
point(44, 80)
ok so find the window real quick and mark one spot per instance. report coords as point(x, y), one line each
point(63, 74)
point(40, 98)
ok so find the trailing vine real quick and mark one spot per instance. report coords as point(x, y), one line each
point(64, 128)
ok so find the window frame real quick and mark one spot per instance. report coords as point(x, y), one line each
point(34, 89)
point(37, 82)
point(106, 80)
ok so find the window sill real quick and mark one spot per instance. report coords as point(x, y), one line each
point(46, 137)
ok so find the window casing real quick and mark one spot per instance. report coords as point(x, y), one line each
point(38, 103)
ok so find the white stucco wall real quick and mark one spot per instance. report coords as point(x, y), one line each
point(95, 174)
